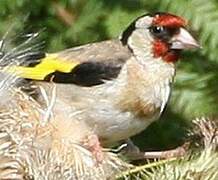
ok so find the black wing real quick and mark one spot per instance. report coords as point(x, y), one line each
point(86, 74)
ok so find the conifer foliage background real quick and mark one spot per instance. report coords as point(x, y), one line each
point(67, 23)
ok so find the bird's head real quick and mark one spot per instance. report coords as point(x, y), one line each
point(163, 35)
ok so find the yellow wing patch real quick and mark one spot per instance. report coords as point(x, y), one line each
point(48, 65)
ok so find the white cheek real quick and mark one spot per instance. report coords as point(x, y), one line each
point(141, 43)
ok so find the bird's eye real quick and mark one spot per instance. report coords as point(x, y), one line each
point(157, 30)
point(161, 32)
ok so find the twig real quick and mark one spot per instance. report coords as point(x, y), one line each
point(63, 14)
point(146, 166)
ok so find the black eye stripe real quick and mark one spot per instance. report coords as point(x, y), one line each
point(163, 33)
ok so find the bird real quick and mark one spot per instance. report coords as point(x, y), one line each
point(116, 87)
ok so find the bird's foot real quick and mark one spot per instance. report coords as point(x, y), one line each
point(166, 154)
point(133, 152)
point(93, 144)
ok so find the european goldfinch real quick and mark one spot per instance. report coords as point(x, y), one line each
point(120, 86)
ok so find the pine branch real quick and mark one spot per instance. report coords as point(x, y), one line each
point(201, 165)
point(193, 95)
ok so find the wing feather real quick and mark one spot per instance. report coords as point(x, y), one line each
point(86, 65)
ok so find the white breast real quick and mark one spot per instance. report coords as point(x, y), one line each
point(153, 88)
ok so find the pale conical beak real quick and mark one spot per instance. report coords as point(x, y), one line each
point(184, 40)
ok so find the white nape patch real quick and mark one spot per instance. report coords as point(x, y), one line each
point(144, 22)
